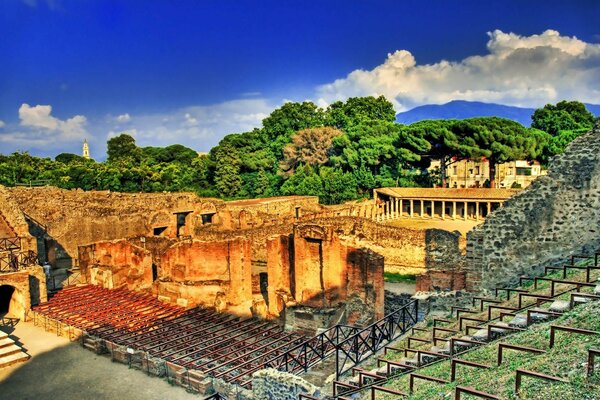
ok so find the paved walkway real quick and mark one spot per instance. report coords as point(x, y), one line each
point(61, 370)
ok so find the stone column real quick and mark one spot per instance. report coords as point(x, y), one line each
point(489, 210)
point(465, 211)
point(454, 210)
point(432, 209)
point(401, 209)
point(476, 211)
point(412, 207)
point(443, 209)
point(422, 208)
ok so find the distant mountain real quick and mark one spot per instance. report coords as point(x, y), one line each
point(460, 109)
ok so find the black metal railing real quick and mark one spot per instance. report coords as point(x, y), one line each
point(216, 396)
point(374, 337)
point(10, 244)
point(12, 262)
point(350, 344)
point(73, 277)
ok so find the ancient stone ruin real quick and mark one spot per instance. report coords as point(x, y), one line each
point(245, 291)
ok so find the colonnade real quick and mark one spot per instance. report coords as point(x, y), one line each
point(436, 208)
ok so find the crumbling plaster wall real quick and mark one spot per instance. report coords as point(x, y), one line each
point(555, 217)
point(209, 273)
point(312, 269)
point(116, 264)
point(30, 290)
point(71, 218)
point(12, 221)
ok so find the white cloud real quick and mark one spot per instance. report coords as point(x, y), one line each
point(517, 70)
point(2, 124)
point(124, 118)
point(39, 117)
point(198, 127)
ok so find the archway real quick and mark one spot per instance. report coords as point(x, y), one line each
point(6, 299)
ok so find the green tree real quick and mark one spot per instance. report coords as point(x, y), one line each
point(122, 147)
point(500, 140)
point(227, 171)
point(565, 115)
point(356, 110)
point(68, 158)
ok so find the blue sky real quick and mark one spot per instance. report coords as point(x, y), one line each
point(192, 71)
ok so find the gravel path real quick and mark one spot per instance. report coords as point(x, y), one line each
point(60, 370)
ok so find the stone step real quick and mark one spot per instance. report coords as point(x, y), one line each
point(442, 350)
point(14, 358)
point(90, 346)
point(3, 335)
point(4, 342)
point(560, 306)
point(382, 370)
point(8, 350)
point(538, 317)
point(519, 321)
point(480, 336)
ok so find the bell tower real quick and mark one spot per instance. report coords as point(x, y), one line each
point(86, 150)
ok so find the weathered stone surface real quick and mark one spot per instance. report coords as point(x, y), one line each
point(270, 384)
point(557, 216)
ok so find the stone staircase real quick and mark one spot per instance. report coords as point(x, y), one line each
point(462, 337)
point(10, 352)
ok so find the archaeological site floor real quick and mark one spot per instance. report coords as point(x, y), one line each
point(60, 369)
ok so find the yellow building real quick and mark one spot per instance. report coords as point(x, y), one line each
point(474, 173)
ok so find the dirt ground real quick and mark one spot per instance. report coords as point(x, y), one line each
point(59, 369)
point(437, 223)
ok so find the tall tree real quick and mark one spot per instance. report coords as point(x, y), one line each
point(227, 171)
point(447, 141)
point(565, 115)
point(122, 147)
point(500, 140)
point(310, 146)
point(292, 117)
point(356, 110)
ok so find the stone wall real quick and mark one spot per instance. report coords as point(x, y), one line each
point(29, 289)
point(554, 218)
point(317, 281)
point(116, 264)
point(209, 273)
point(71, 218)
point(12, 221)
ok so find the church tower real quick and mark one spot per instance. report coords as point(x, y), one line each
point(86, 150)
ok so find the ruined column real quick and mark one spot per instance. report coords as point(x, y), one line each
point(278, 270)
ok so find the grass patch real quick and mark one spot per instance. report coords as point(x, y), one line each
point(396, 277)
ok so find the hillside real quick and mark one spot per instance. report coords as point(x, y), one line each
point(460, 109)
